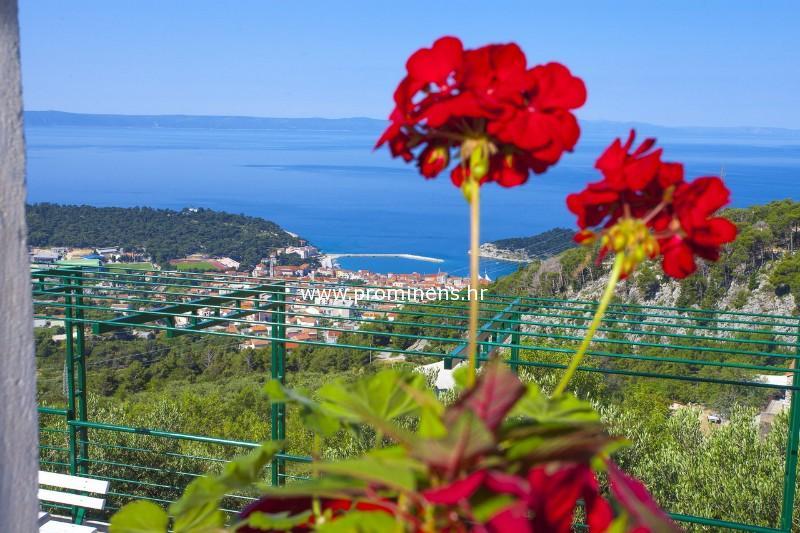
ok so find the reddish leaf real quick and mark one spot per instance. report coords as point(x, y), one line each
point(508, 484)
point(467, 439)
point(633, 496)
point(554, 495)
point(511, 519)
point(456, 491)
point(598, 511)
point(494, 394)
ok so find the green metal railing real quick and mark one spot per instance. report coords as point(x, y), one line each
point(157, 464)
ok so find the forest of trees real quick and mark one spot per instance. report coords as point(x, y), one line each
point(163, 233)
point(541, 245)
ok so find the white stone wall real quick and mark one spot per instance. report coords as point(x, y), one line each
point(18, 421)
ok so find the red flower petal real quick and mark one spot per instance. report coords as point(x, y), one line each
point(557, 88)
point(509, 170)
point(461, 489)
point(435, 64)
point(678, 258)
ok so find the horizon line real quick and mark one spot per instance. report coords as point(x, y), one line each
point(259, 117)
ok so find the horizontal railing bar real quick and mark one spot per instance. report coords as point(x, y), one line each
point(582, 311)
point(52, 411)
point(53, 448)
point(236, 320)
point(220, 278)
point(723, 523)
point(590, 308)
point(158, 433)
point(710, 349)
point(484, 343)
point(145, 450)
point(128, 321)
point(158, 485)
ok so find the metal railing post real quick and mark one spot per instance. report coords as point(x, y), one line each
point(69, 378)
point(792, 444)
point(79, 362)
point(515, 339)
point(278, 370)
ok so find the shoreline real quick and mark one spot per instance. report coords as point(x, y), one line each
point(331, 258)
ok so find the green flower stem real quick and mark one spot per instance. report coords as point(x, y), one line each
point(577, 359)
point(474, 282)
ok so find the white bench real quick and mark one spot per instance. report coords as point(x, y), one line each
point(81, 484)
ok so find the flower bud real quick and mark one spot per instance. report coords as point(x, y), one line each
point(585, 237)
point(478, 163)
point(469, 188)
point(433, 160)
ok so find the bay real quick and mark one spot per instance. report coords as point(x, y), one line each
point(332, 188)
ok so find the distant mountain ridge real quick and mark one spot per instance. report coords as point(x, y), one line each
point(590, 127)
point(61, 118)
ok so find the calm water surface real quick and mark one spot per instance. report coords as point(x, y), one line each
point(331, 188)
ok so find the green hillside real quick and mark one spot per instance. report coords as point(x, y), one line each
point(764, 255)
point(541, 245)
point(163, 233)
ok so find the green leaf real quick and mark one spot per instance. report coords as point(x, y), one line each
point(198, 509)
point(460, 378)
point(431, 425)
point(566, 408)
point(619, 525)
point(549, 442)
point(244, 471)
point(360, 522)
point(388, 470)
point(323, 487)
point(139, 517)
point(376, 400)
point(314, 417)
point(278, 521)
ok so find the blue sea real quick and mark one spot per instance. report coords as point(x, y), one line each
point(330, 187)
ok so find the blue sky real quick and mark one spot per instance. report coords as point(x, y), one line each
point(709, 63)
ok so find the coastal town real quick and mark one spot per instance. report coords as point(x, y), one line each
point(322, 301)
point(317, 314)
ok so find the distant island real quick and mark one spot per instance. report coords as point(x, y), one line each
point(164, 234)
point(527, 249)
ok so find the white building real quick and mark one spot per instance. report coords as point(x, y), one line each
point(228, 262)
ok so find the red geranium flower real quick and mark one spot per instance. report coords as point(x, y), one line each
point(696, 230)
point(638, 180)
point(454, 99)
point(643, 207)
